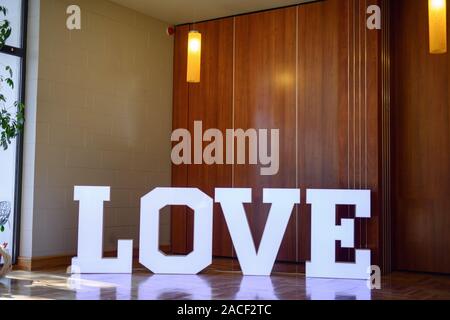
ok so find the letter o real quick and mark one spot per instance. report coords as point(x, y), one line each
point(149, 254)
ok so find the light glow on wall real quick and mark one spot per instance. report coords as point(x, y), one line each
point(194, 56)
point(437, 11)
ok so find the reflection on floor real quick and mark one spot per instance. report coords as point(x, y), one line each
point(215, 283)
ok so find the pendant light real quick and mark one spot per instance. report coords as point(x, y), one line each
point(194, 56)
point(437, 11)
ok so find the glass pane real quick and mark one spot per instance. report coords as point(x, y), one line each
point(8, 157)
point(14, 16)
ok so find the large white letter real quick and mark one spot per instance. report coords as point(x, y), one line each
point(283, 200)
point(149, 254)
point(324, 233)
point(90, 236)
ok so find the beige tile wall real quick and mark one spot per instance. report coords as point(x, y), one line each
point(104, 114)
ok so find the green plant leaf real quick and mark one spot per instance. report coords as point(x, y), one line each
point(10, 82)
point(8, 68)
point(11, 126)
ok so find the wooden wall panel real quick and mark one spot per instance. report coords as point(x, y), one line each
point(323, 80)
point(338, 113)
point(311, 71)
point(211, 102)
point(265, 81)
point(421, 143)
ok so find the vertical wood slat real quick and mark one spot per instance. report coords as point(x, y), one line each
point(265, 99)
point(385, 195)
point(210, 101)
point(322, 101)
point(179, 219)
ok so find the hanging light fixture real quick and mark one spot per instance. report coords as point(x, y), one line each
point(437, 11)
point(194, 56)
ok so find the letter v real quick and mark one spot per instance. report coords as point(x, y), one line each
point(283, 200)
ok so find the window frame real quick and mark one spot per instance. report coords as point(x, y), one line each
point(20, 53)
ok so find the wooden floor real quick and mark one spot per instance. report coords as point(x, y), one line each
point(221, 281)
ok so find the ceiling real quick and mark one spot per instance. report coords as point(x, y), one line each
point(183, 11)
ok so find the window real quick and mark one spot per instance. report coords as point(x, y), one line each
point(13, 55)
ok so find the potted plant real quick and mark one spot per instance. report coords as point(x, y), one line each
point(11, 126)
point(12, 120)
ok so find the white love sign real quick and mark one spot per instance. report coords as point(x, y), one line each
point(253, 262)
